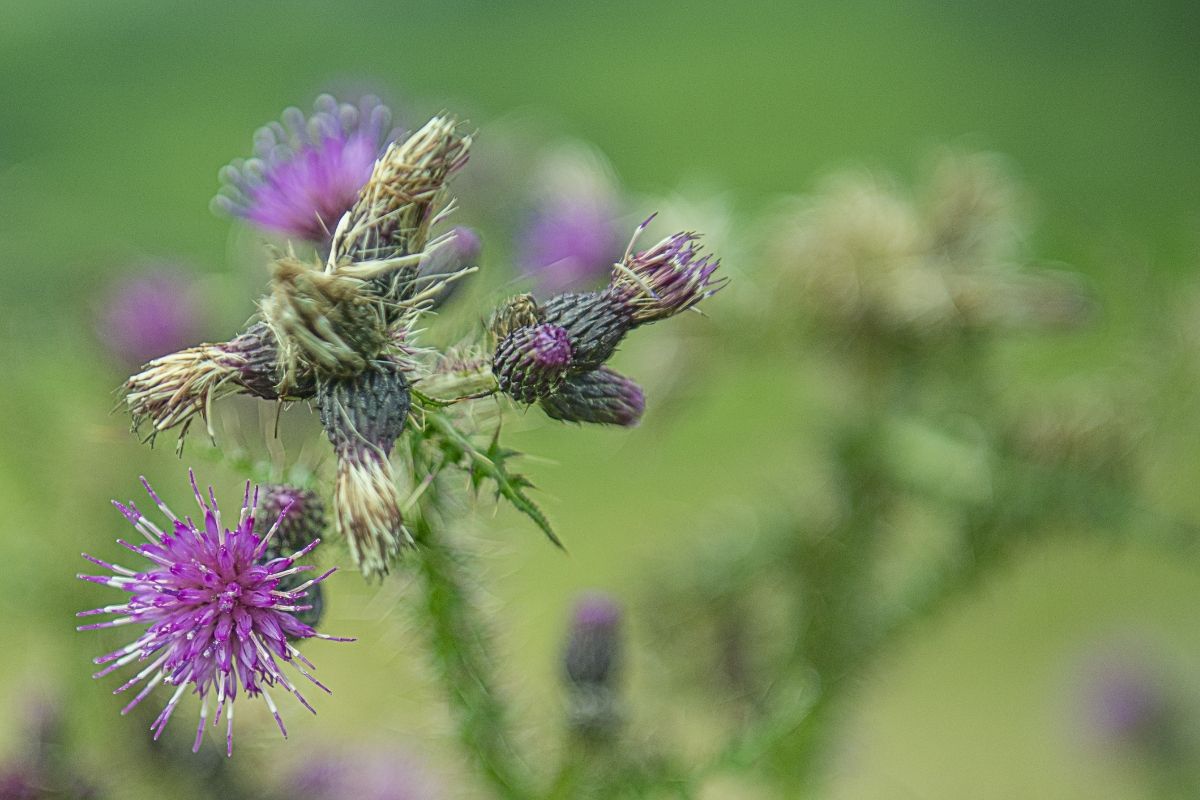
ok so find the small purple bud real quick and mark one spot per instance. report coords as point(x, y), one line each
point(531, 362)
point(593, 653)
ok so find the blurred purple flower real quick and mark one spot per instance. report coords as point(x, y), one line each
point(216, 616)
point(593, 653)
point(306, 172)
point(1128, 704)
point(572, 237)
point(373, 773)
point(149, 314)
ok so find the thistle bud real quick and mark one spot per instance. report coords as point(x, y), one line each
point(595, 322)
point(300, 515)
point(592, 666)
point(603, 396)
point(363, 416)
point(532, 362)
point(299, 512)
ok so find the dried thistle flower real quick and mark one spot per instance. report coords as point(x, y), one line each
point(169, 391)
point(531, 362)
point(217, 618)
point(307, 172)
point(363, 416)
point(670, 277)
point(392, 217)
point(602, 396)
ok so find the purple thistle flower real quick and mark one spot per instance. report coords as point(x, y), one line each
point(306, 172)
point(532, 361)
point(147, 315)
point(571, 238)
point(216, 616)
point(670, 277)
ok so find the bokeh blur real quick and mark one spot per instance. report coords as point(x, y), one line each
point(919, 486)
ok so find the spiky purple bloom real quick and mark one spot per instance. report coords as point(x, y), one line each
point(216, 616)
point(602, 396)
point(148, 314)
point(670, 277)
point(532, 361)
point(306, 172)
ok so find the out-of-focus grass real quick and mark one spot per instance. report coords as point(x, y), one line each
point(117, 116)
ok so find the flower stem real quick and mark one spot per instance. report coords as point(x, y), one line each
point(461, 650)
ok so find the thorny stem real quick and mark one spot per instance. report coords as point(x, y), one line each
point(461, 650)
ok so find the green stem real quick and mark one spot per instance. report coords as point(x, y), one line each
point(461, 650)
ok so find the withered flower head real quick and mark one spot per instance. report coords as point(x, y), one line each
point(363, 416)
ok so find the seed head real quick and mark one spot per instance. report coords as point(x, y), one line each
point(216, 617)
point(363, 416)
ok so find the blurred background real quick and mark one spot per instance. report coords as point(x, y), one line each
point(1034, 388)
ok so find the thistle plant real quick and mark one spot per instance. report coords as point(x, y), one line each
point(341, 327)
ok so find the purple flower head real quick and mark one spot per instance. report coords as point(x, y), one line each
point(306, 172)
point(364, 773)
point(670, 277)
point(216, 617)
point(531, 362)
point(571, 238)
point(593, 651)
point(148, 314)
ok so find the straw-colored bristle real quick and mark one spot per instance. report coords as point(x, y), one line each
point(401, 200)
point(367, 510)
point(171, 390)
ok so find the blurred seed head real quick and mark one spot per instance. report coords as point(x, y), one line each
point(863, 256)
